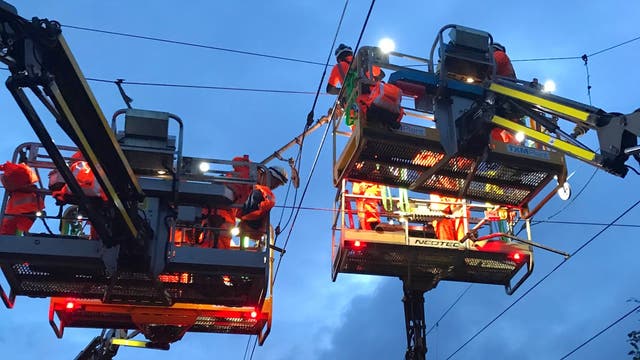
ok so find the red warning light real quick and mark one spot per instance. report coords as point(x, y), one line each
point(70, 305)
point(516, 256)
point(254, 314)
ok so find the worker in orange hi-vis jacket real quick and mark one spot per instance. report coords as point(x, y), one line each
point(503, 68)
point(221, 221)
point(502, 61)
point(368, 208)
point(86, 179)
point(344, 57)
point(254, 214)
point(19, 180)
point(448, 228)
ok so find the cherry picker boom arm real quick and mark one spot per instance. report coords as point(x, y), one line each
point(617, 133)
point(40, 60)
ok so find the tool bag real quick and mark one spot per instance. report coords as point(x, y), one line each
point(382, 104)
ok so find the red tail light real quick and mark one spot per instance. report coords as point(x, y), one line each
point(70, 305)
point(254, 314)
point(516, 256)
point(357, 244)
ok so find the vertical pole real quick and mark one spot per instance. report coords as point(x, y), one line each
point(415, 323)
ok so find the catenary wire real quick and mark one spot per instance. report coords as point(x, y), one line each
point(577, 251)
point(575, 197)
point(436, 324)
point(207, 87)
point(310, 116)
point(600, 332)
point(192, 44)
point(614, 46)
point(561, 222)
point(315, 161)
point(286, 58)
point(297, 162)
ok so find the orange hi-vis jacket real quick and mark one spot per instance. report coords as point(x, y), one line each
point(503, 68)
point(368, 211)
point(19, 181)
point(339, 72)
point(448, 229)
point(241, 191)
point(258, 210)
point(87, 180)
point(503, 64)
point(255, 213)
point(221, 221)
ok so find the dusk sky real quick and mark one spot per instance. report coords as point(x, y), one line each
point(360, 317)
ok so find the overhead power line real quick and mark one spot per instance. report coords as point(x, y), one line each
point(208, 87)
point(614, 46)
point(437, 323)
point(311, 62)
point(293, 216)
point(547, 59)
point(600, 332)
point(576, 252)
point(324, 137)
point(581, 56)
point(193, 44)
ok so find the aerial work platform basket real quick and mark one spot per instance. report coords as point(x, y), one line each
point(415, 155)
point(78, 265)
point(404, 244)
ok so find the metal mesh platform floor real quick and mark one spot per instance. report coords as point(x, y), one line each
point(64, 267)
point(509, 175)
point(225, 288)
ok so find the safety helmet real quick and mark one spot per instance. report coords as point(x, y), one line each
point(244, 158)
point(279, 174)
point(342, 49)
point(77, 155)
point(499, 47)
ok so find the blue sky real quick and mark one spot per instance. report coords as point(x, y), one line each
point(360, 316)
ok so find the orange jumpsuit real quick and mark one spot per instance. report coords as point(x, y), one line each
point(368, 211)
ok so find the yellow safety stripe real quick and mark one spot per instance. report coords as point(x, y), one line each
point(561, 145)
point(536, 100)
point(129, 342)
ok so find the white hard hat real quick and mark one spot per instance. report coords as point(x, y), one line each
point(279, 174)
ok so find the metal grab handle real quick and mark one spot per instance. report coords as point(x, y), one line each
point(511, 289)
